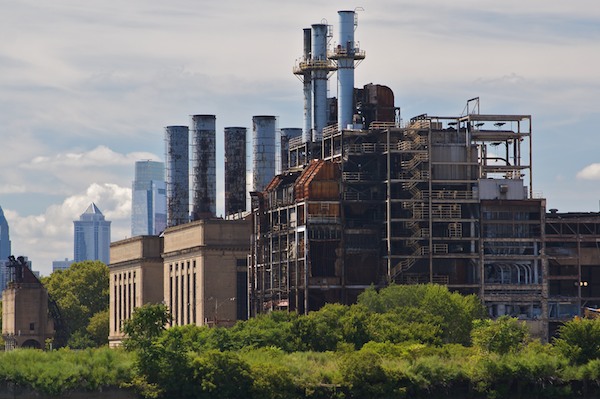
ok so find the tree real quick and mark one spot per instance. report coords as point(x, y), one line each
point(146, 325)
point(98, 328)
point(452, 312)
point(154, 359)
point(81, 291)
point(321, 330)
point(221, 375)
point(503, 335)
point(579, 340)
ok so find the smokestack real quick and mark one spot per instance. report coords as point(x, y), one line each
point(235, 170)
point(345, 53)
point(319, 78)
point(204, 173)
point(177, 174)
point(307, 89)
point(263, 151)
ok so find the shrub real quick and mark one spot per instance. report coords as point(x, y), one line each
point(579, 340)
point(503, 335)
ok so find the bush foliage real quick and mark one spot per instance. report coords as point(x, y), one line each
point(393, 343)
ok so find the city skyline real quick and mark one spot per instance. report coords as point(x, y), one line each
point(89, 90)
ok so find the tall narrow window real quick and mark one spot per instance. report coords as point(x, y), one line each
point(194, 294)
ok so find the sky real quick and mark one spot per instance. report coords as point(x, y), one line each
point(86, 89)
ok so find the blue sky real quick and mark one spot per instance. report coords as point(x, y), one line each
point(86, 88)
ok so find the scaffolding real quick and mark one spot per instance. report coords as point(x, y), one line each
point(428, 201)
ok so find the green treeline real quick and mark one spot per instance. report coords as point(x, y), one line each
point(400, 342)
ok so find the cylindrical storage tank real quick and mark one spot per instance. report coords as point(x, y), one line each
point(319, 78)
point(235, 170)
point(177, 174)
point(287, 134)
point(307, 89)
point(204, 172)
point(378, 104)
point(345, 71)
point(263, 151)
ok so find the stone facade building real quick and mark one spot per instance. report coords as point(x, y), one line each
point(197, 269)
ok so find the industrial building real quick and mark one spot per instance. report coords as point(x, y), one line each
point(373, 199)
point(362, 197)
point(573, 252)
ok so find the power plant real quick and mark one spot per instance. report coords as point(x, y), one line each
point(359, 197)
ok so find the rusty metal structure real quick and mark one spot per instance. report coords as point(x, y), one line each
point(235, 170)
point(287, 134)
point(177, 174)
point(374, 200)
point(444, 200)
point(573, 251)
point(204, 171)
point(313, 70)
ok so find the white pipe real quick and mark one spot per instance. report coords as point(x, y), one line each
point(319, 78)
point(345, 50)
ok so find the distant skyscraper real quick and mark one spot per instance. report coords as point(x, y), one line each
point(92, 236)
point(61, 264)
point(4, 249)
point(149, 199)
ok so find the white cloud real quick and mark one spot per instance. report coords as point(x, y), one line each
point(12, 188)
point(590, 172)
point(100, 156)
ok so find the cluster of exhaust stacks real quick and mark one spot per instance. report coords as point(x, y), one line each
point(313, 69)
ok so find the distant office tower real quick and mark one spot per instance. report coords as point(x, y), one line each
point(235, 170)
point(92, 236)
point(4, 249)
point(61, 264)
point(263, 151)
point(204, 169)
point(149, 199)
point(178, 185)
